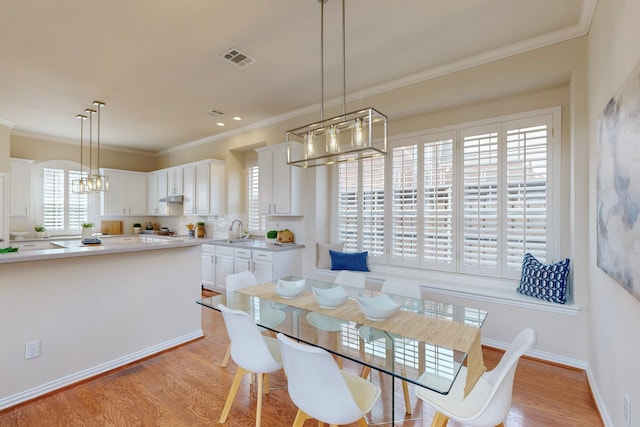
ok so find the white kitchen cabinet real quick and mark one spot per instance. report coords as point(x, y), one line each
point(204, 188)
point(156, 190)
point(127, 194)
point(217, 264)
point(20, 202)
point(174, 181)
point(280, 187)
point(268, 266)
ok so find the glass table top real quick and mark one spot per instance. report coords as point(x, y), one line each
point(397, 353)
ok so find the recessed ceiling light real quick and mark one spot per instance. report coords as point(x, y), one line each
point(237, 118)
point(220, 124)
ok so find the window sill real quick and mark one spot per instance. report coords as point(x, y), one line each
point(459, 286)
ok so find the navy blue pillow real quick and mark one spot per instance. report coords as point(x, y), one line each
point(356, 261)
point(547, 282)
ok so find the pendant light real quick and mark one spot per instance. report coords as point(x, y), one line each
point(94, 181)
point(350, 136)
point(81, 185)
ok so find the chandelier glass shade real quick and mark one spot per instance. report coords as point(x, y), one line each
point(349, 136)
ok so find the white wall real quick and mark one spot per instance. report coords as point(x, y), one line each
point(92, 314)
point(614, 320)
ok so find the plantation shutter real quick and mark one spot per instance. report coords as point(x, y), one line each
point(53, 199)
point(348, 205)
point(404, 205)
point(78, 203)
point(480, 201)
point(526, 191)
point(438, 229)
point(373, 206)
point(255, 221)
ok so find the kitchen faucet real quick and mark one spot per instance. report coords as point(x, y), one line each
point(241, 227)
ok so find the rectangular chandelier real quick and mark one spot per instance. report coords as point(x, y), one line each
point(350, 136)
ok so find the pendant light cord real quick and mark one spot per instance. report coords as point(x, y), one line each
point(344, 66)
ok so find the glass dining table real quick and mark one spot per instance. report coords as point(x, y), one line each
point(425, 343)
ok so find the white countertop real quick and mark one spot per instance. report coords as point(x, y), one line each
point(74, 248)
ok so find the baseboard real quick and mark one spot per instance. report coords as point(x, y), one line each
point(602, 407)
point(96, 370)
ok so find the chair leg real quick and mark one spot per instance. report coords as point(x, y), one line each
point(266, 383)
point(232, 394)
point(225, 359)
point(259, 402)
point(362, 422)
point(439, 420)
point(407, 401)
point(365, 372)
point(500, 425)
point(301, 417)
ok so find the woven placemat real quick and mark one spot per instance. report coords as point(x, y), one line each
point(441, 332)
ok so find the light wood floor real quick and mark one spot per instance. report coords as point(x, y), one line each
point(185, 386)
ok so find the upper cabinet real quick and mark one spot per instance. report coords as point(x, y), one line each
point(204, 188)
point(20, 203)
point(156, 190)
point(127, 194)
point(280, 188)
point(175, 180)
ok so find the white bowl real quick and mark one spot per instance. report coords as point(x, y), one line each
point(331, 297)
point(289, 288)
point(380, 307)
point(19, 234)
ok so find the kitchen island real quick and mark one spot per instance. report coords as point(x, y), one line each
point(91, 309)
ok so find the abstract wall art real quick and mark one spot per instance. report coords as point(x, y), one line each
point(618, 186)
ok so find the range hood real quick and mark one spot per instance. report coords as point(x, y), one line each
point(173, 199)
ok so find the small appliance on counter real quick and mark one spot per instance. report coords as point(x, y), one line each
point(91, 241)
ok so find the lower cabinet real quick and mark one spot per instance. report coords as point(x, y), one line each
point(219, 261)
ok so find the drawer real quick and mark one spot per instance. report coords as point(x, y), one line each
point(242, 253)
point(224, 250)
point(263, 255)
point(208, 249)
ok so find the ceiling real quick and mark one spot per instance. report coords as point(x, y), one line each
point(157, 63)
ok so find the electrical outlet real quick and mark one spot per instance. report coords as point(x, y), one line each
point(627, 409)
point(32, 349)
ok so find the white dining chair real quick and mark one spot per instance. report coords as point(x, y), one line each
point(233, 282)
point(321, 390)
point(252, 352)
point(354, 279)
point(488, 403)
point(393, 286)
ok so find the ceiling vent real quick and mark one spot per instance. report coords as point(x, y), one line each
point(216, 113)
point(237, 57)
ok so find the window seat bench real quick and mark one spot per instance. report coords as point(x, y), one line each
point(461, 286)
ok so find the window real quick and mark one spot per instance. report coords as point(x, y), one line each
point(471, 199)
point(361, 206)
point(255, 221)
point(62, 210)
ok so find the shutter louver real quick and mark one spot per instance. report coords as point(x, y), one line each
point(373, 206)
point(480, 203)
point(53, 199)
point(404, 205)
point(63, 210)
point(438, 241)
point(348, 209)
point(526, 194)
point(255, 221)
